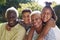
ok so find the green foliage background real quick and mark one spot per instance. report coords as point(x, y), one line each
point(23, 4)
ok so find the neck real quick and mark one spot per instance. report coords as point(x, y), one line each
point(38, 30)
point(13, 24)
point(8, 27)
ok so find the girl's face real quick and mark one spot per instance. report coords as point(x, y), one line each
point(46, 14)
point(36, 20)
point(26, 17)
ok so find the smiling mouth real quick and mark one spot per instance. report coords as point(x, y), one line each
point(10, 22)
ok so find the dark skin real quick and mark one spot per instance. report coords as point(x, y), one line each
point(11, 18)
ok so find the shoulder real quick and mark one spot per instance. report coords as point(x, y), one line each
point(21, 27)
point(51, 22)
point(3, 24)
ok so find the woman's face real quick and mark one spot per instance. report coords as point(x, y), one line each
point(26, 17)
point(46, 14)
point(36, 20)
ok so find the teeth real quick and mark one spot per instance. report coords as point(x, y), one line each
point(11, 21)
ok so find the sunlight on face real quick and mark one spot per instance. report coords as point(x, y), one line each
point(46, 14)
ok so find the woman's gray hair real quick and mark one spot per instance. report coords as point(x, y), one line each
point(11, 8)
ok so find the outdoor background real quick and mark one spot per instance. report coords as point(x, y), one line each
point(32, 4)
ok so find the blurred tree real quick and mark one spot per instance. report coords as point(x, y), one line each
point(31, 5)
point(2, 2)
point(24, 1)
point(57, 11)
point(54, 4)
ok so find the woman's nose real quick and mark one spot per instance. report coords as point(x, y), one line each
point(34, 21)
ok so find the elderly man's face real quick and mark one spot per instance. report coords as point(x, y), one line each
point(11, 18)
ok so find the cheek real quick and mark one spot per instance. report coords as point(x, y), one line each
point(27, 19)
point(38, 22)
point(45, 17)
point(49, 16)
point(23, 18)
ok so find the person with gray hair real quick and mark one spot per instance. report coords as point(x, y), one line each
point(11, 30)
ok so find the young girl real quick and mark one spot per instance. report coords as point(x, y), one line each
point(48, 16)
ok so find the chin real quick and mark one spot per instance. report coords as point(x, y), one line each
point(44, 20)
point(11, 25)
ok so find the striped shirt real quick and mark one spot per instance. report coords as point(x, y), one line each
point(16, 33)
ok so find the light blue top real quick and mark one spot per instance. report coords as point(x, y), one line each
point(49, 36)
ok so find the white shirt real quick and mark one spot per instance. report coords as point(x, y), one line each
point(57, 32)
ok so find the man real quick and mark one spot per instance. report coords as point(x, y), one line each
point(11, 30)
point(26, 19)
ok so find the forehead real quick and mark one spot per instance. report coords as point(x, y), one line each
point(47, 9)
point(26, 13)
point(35, 16)
point(10, 12)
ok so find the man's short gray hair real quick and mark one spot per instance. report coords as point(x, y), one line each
point(11, 8)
